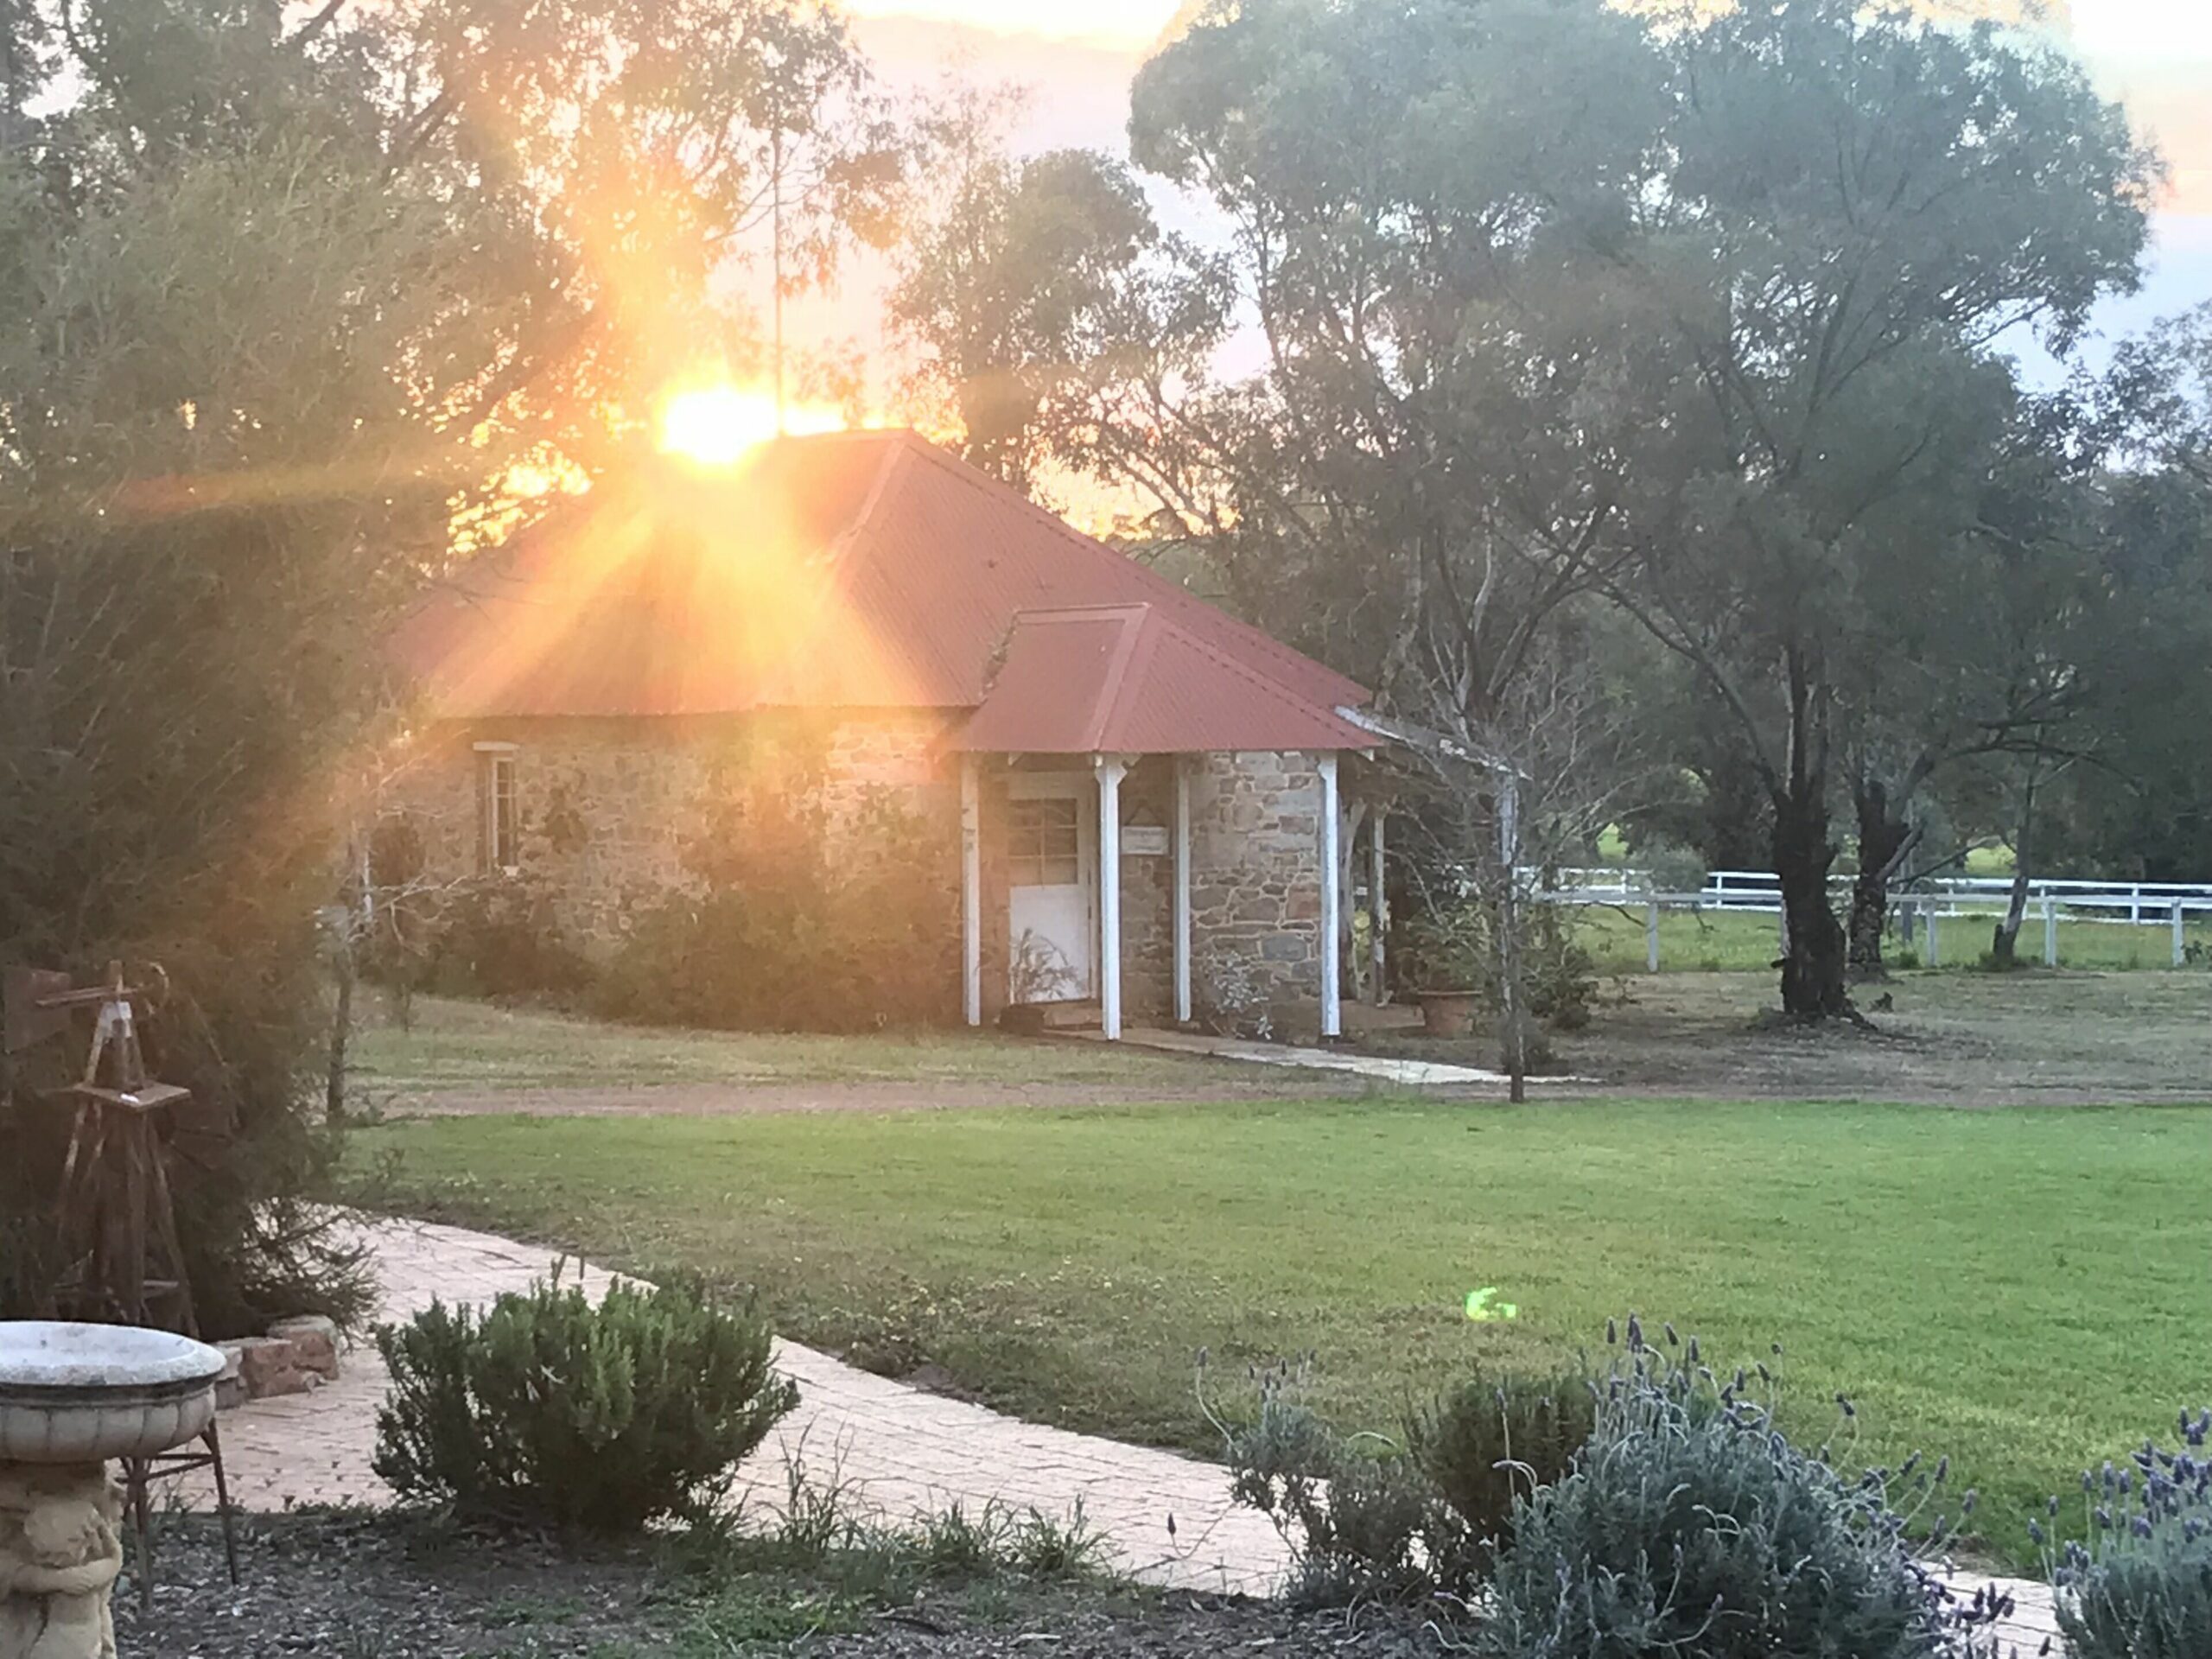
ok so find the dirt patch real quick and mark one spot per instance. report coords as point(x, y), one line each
point(354, 1585)
point(1949, 1038)
point(1129, 1625)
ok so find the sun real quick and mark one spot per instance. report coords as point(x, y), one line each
point(717, 425)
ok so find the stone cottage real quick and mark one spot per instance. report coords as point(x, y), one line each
point(1120, 788)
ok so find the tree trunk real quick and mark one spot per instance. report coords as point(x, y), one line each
point(2004, 942)
point(342, 1031)
point(1515, 1031)
point(1883, 836)
point(1814, 961)
point(1880, 835)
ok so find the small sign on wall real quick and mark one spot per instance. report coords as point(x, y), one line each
point(1144, 841)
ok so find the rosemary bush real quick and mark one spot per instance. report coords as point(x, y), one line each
point(2141, 1587)
point(1495, 1441)
point(548, 1410)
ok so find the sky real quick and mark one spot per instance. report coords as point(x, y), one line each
point(1079, 56)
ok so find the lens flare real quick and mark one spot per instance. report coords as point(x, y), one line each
point(716, 426)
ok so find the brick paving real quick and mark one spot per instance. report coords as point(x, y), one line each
point(898, 1449)
point(2029, 1627)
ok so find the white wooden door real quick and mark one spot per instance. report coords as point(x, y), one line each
point(1052, 884)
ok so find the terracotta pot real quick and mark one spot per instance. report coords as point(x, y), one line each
point(1448, 1014)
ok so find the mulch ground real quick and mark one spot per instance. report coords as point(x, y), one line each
point(354, 1585)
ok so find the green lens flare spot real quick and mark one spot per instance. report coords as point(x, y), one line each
point(1483, 1309)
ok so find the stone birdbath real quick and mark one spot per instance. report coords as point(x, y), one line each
point(71, 1397)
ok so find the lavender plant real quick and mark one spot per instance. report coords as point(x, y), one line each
point(1692, 1528)
point(2140, 1587)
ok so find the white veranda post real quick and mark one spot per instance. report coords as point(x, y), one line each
point(1183, 889)
point(971, 892)
point(1111, 769)
point(1332, 1022)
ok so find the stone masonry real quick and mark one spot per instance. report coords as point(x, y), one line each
point(607, 808)
point(607, 811)
point(1255, 876)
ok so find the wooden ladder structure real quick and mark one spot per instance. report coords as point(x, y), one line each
point(115, 1220)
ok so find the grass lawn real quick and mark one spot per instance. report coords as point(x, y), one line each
point(2024, 1289)
point(1722, 940)
point(476, 1047)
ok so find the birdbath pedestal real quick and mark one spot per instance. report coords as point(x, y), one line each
point(71, 1397)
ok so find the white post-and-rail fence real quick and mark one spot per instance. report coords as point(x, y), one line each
point(2168, 905)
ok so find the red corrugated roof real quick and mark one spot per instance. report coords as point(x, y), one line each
point(1126, 679)
point(856, 569)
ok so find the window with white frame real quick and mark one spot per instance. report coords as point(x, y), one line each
point(1044, 842)
point(499, 844)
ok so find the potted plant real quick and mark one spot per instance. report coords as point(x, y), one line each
point(1454, 968)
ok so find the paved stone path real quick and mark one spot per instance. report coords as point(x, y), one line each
point(1375, 1068)
point(899, 1449)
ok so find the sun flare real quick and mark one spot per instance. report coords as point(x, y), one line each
point(716, 425)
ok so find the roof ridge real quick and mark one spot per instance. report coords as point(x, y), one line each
point(1198, 642)
point(1096, 607)
point(1125, 673)
point(837, 433)
point(1238, 665)
point(836, 551)
point(988, 484)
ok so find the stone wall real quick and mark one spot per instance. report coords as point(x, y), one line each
point(1255, 877)
point(1149, 896)
point(610, 809)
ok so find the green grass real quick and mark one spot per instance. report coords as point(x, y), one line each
point(2022, 1289)
point(476, 1047)
point(1726, 940)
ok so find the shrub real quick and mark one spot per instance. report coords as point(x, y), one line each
point(1670, 867)
point(546, 1409)
point(2141, 1588)
point(483, 935)
point(1457, 950)
point(1453, 949)
point(1362, 1519)
point(501, 936)
point(1562, 974)
point(1233, 996)
point(1496, 1440)
point(783, 936)
point(849, 958)
point(998, 1539)
point(1692, 1528)
point(1370, 1517)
